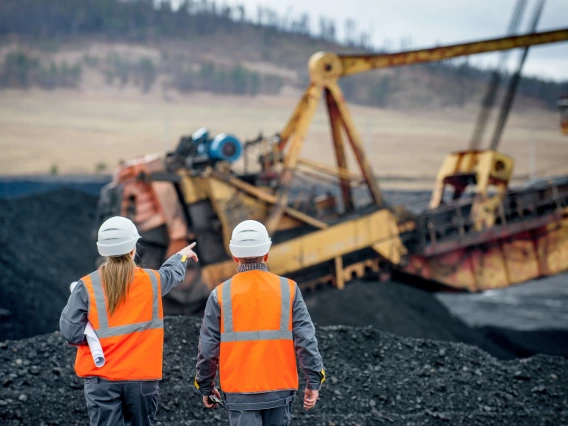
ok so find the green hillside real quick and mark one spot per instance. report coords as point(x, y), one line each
point(203, 46)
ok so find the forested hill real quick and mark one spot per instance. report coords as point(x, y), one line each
point(208, 46)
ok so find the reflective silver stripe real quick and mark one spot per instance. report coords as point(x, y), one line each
point(104, 330)
point(227, 307)
point(284, 333)
point(99, 299)
point(154, 280)
point(240, 336)
point(285, 315)
point(130, 328)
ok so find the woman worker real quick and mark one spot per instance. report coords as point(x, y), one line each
point(123, 303)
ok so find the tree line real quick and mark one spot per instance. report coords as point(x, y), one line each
point(24, 70)
point(145, 21)
point(21, 70)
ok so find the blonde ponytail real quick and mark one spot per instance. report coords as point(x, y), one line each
point(117, 273)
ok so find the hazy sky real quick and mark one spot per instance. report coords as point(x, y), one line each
point(430, 22)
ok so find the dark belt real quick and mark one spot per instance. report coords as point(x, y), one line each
point(255, 406)
point(89, 380)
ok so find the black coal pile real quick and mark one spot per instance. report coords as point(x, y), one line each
point(396, 308)
point(526, 318)
point(373, 378)
point(46, 244)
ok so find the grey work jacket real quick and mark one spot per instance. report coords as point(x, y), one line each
point(305, 344)
point(74, 317)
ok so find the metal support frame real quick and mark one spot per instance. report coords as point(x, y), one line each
point(331, 171)
point(326, 69)
point(298, 124)
point(356, 143)
point(339, 278)
point(268, 198)
point(295, 133)
point(336, 122)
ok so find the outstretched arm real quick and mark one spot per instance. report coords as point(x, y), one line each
point(172, 272)
point(209, 346)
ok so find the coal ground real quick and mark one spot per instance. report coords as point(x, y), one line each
point(46, 243)
point(373, 378)
point(525, 318)
point(396, 308)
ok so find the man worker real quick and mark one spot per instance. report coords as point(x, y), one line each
point(253, 327)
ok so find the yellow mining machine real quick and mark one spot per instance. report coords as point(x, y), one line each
point(563, 106)
point(487, 238)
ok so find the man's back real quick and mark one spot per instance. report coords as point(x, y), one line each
point(257, 347)
point(253, 327)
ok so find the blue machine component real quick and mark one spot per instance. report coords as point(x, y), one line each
point(200, 136)
point(222, 147)
point(225, 147)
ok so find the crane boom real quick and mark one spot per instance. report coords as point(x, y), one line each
point(354, 64)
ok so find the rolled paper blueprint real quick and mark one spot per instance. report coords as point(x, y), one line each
point(95, 346)
point(92, 339)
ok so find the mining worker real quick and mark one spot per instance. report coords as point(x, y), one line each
point(254, 325)
point(123, 303)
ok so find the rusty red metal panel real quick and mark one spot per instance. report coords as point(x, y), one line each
point(492, 234)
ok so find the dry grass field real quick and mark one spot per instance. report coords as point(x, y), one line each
point(76, 130)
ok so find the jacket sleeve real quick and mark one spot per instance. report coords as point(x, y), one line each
point(209, 346)
point(172, 273)
point(306, 343)
point(74, 317)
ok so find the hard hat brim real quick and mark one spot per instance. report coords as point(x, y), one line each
point(118, 249)
point(249, 251)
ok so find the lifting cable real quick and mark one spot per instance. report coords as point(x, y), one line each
point(514, 83)
point(491, 94)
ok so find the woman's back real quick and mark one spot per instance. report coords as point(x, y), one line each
point(123, 304)
point(132, 336)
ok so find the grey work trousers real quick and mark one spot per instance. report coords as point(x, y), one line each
point(279, 416)
point(121, 403)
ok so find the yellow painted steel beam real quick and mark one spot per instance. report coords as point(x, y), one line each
point(311, 98)
point(336, 123)
point(353, 64)
point(374, 230)
point(268, 198)
point(339, 277)
point(330, 170)
point(302, 106)
point(338, 240)
point(356, 143)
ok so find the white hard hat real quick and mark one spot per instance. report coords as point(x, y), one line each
point(117, 236)
point(250, 239)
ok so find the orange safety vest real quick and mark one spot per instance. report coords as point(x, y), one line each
point(132, 338)
point(257, 345)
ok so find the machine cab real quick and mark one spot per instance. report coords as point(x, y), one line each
point(486, 172)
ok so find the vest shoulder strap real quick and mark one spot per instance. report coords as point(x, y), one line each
point(104, 329)
point(155, 294)
point(229, 335)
